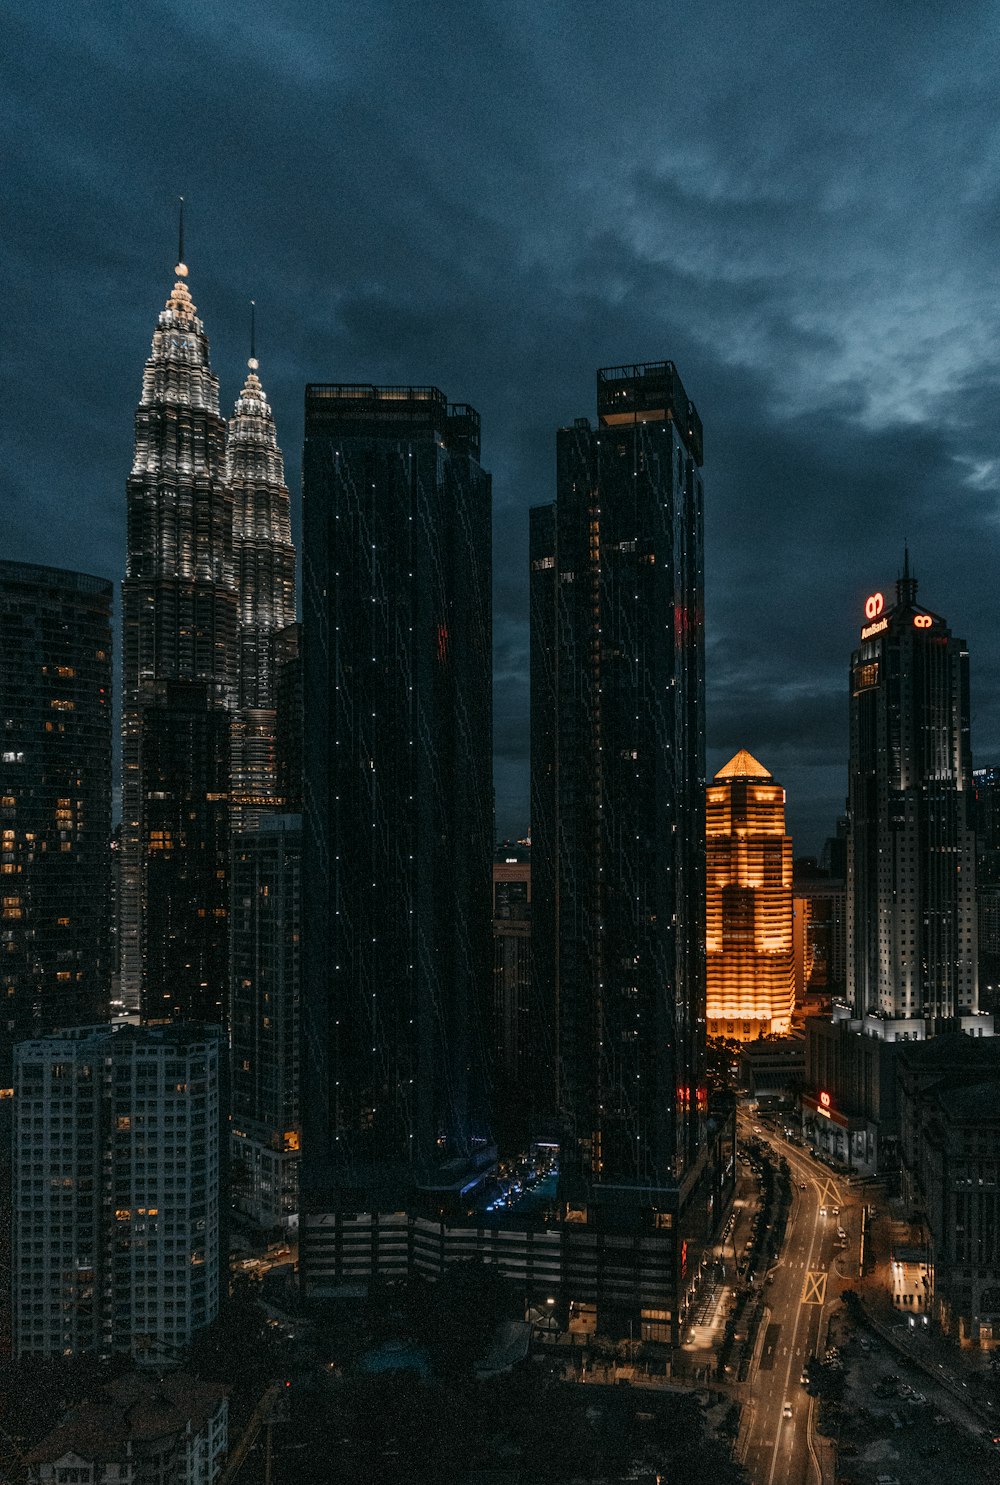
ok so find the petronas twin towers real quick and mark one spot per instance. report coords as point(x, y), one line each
point(209, 583)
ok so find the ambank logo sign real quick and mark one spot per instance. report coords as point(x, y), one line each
point(877, 621)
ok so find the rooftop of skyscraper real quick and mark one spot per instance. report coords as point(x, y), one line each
point(743, 765)
point(362, 409)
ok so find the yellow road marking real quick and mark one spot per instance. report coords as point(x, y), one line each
point(814, 1292)
point(829, 1196)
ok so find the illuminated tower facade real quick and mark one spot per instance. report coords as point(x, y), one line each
point(181, 675)
point(911, 948)
point(264, 562)
point(617, 768)
point(748, 939)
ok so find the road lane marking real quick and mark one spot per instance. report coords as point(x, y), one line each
point(814, 1292)
point(829, 1196)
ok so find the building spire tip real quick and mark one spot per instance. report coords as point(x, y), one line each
point(253, 363)
point(181, 269)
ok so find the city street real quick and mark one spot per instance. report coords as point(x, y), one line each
point(804, 1283)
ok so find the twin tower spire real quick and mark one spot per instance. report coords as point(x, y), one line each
point(209, 585)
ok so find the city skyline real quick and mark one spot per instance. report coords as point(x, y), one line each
point(846, 376)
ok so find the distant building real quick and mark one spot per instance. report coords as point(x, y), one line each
point(912, 958)
point(171, 1430)
point(820, 936)
point(833, 857)
point(517, 1032)
point(265, 963)
point(772, 1069)
point(264, 560)
point(986, 786)
point(398, 819)
point(949, 1106)
point(55, 802)
point(749, 948)
point(116, 1231)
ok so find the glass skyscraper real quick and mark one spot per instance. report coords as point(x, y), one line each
point(912, 967)
point(398, 800)
point(617, 768)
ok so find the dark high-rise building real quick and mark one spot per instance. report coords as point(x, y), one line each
point(266, 925)
point(618, 778)
point(986, 782)
point(55, 802)
point(398, 800)
point(911, 849)
point(264, 560)
point(181, 677)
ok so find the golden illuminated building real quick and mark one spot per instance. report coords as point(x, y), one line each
point(749, 950)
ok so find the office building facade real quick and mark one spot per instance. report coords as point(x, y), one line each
point(265, 962)
point(116, 1190)
point(180, 663)
point(748, 935)
point(398, 800)
point(912, 951)
point(55, 802)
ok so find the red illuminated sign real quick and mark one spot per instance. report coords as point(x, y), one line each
point(874, 605)
point(922, 621)
point(824, 1100)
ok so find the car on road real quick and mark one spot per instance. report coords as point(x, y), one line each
point(786, 1411)
point(804, 1379)
point(803, 1186)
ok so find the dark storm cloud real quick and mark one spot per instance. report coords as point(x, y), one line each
point(797, 204)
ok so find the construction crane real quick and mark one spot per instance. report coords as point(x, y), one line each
point(272, 1409)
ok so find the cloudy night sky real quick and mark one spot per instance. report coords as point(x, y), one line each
point(798, 204)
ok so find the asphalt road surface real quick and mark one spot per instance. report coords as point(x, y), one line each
point(805, 1283)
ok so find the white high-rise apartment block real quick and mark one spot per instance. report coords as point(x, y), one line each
point(116, 1190)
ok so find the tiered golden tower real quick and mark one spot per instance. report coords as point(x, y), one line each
point(749, 949)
